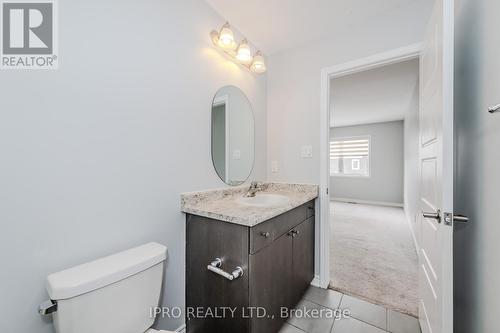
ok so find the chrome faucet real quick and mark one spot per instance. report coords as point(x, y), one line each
point(254, 188)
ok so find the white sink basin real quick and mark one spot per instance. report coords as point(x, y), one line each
point(264, 200)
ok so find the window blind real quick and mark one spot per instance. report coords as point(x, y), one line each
point(358, 148)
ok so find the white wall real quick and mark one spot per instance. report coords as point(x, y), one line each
point(385, 184)
point(93, 156)
point(373, 96)
point(411, 163)
point(294, 87)
point(477, 64)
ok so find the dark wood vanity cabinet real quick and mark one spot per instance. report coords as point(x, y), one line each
point(277, 257)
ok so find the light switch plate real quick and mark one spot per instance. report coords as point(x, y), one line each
point(306, 151)
point(236, 154)
point(274, 166)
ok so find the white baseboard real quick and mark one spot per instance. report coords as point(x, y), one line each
point(315, 282)
point(369, 202)
point(412, 230)
point(181, 328)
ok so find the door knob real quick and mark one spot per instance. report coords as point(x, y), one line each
point(265, 234)
point(436, 215)
point(450, 219)
point(460, 222)
point(460, 218)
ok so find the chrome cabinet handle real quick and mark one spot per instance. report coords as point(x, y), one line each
point(436, 215)
point(265, 234)
point(216, 267)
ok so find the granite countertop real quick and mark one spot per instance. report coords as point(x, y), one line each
point(221, 204)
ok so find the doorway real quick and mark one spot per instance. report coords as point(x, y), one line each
point(325, 230)
point(436, 159)
point(327, 74)
point(373, 191)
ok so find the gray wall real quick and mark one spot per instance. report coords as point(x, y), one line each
point(385, 183)
point(411, 163)
point(94, 156)
point(477, 185)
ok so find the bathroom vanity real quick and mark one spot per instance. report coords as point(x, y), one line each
point(247, 259)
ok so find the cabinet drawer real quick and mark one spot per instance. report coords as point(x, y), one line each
point(261, 236)
point(265, 233)
point(310, 209)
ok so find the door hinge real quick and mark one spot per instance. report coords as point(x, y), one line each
point(327, 191)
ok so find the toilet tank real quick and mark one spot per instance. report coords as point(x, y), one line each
point(114, 294)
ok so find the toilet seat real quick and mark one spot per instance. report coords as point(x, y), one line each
point(156, 331)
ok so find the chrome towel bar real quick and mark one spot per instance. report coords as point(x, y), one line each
point(216, 267)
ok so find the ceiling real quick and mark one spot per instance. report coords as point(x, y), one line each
point(277, 25)
point(377, 95)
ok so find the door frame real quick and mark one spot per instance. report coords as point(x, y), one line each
point(409, 52)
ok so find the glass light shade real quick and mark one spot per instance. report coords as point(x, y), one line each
point(258, 64)
point(226, 37)
point(243, 54)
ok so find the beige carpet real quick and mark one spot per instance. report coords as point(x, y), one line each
point(373, 255)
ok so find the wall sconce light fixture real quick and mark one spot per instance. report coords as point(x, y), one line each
point(240, 53)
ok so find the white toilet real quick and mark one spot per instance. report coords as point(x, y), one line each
point(114, 294)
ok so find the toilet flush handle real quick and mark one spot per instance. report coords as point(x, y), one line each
point(47, 307)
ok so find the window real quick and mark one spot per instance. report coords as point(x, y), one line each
point(350, 157)
point(356, 164)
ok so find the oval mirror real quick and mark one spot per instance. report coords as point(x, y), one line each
point(233, 135)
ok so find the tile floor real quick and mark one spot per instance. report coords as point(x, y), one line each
point(364, 317)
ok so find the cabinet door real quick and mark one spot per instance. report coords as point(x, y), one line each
point(271, 283)
point(303, 258)
point(207, 291)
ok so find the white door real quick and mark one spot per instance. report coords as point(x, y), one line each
point(436, 168)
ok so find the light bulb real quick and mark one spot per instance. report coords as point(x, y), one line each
point(226, 37)
point(258, 64)
point(243, 54)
